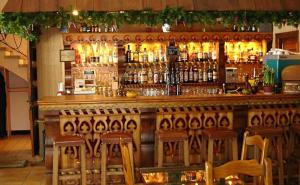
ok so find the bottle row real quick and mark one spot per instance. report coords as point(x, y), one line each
point(108, 52)
point(172, 73)
point(186, 52)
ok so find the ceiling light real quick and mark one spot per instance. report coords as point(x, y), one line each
point(75, 12)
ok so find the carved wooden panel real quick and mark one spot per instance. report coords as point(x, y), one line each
point(193, 120)
point(276, 116)
point(70, 38)
point(91, 124)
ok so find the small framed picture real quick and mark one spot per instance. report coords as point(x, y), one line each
point(67, 55)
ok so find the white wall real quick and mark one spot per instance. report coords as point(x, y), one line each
point(19, 106)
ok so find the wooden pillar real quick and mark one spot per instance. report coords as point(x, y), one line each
point(50, 71)
point(8, 120)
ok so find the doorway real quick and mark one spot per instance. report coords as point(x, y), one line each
point(288, 41)
point(2, 106)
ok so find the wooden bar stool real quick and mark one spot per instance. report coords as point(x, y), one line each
point(172, 136)
point(68, 141)
point(275, 134)
point(115, 138)
point(212, 134)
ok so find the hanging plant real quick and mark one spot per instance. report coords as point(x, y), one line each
point(21, 23)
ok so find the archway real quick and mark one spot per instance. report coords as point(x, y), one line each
point(2, 106)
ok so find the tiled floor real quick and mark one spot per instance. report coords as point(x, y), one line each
point(32, 175)
point(18, 148)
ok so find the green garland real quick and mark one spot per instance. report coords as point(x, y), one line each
point(27, 25)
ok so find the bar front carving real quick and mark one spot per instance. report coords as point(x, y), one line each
point(193, 120)
point(91, 124)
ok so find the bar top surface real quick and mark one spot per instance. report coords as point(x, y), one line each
point(97, 101)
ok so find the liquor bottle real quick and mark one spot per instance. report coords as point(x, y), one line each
point(191, 74)
point(130, 75)
point(205, 75)
point(136, 54)
point(156, 75)
point(252, 57)
point(166, 75)
point(161, 74)
point(209, 74)
point(260, 55)
point(194, 55)
point(196, 73)
point(135, 76)
point(214, 52)
point(200, 71)
point(150, 75)
point(144, 76)
point(200, 53)
point(215, 73)
point(125, 77)
point(181, 74)
point(184, 54)
point(172, 75)
point(150, 56)
point(145, 56)
point(115, 54)
point(186, 74)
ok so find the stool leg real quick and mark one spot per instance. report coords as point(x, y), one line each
point(160, 153)
point(83, 164)
point(186, 152)
point(55, 165)
point(280, 161)
point(234, 148)
point(130, 147)
point(210, 154)
point(204, 149)
point(103, 163)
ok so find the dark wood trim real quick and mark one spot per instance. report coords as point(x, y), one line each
point(8, 119)
point(20, 132)
point(285, 35)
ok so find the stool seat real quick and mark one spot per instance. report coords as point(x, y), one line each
point(115, 137)
point(266, 131)
point(68, 140)
point(178, 135)
point(219, 133)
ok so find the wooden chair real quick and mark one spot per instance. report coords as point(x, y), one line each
point(243, 167)
point(127, 165)
point(258, 142)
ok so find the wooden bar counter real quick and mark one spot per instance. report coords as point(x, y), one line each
point(92, 115)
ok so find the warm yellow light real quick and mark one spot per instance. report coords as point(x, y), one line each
point(75, 12)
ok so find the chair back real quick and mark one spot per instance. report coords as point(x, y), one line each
point(258, 142)
point(127, 167)
point(242, 167)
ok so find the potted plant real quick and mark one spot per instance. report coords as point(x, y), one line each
point(268, 80)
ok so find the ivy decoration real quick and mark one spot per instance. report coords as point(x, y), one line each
point(28, 25)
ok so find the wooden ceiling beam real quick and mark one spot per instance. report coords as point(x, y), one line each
point(118, 5)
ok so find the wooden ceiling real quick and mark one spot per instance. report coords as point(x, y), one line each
point(117, 5)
